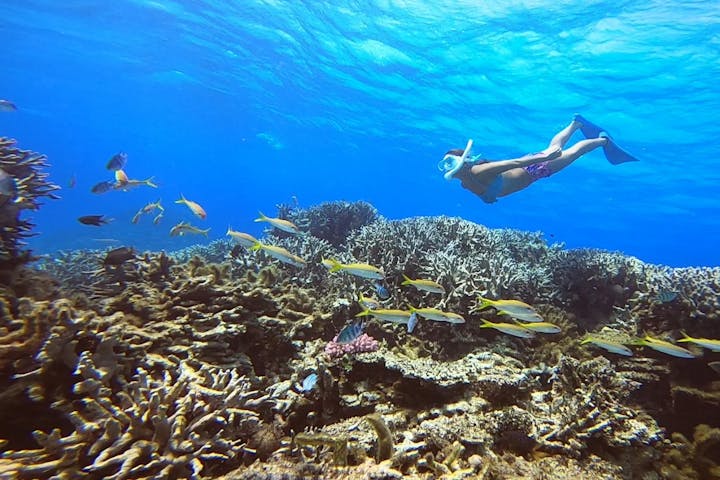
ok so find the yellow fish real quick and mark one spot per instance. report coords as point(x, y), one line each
point(609, 345)
point(284, 225)
point(513, 308)
point(193, 206)
point(542, 327)
point(132, 183)
point(358, 269)
point(279, 253)
point(513, 329)
point(424, 285)
point(244, 239)
point(183, 227)
point(394, 316)
point(121, 178)
point(665, 347)
point(438, 315)
point(152, 206)
point(368, 303)
point(709, 343)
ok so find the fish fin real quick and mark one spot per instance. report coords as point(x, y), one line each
point(256, 246)
point(364, 313)
point(229, 230)
point(486, 324)
point(262, 217)
point(586, 340)
point(182, 199)
point(205, 232)
point(149, 182)
point(336, 266)
point(686, 337)
point(484, 303)
point(407, 281)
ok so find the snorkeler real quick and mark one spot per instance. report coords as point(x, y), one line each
point(492, 179)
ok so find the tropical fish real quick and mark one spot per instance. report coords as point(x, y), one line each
point(119, 255)
point(438, 315)
point(152, 206)
point(412, 322)
point(368, 303)
point(280, 254)
point(157, 218)
point(381, 291)
point(117, 162)
point(715, 366)
point(394, 316)
point(513, 329)
point(542, 327)
point(193, 206)
point(709, 343)
point(102, 187)
point(243, 239)
point(308, 383)
point(184, 227)
point(7, 106)
point(350, 332)
point(96, 220)
point(8, 187)
point(284, 225)
point(424, 285)
point(358, 269)
point(132, 183)
point(73, 181)
point(609, 345)
point(136, 217)
point(666, 296)
point(121, 178)
point(513, 308)
point(665, 347)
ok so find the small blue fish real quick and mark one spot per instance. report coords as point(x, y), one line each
point(381, 291)
point(666, 296)
point(351, 332)
point(412, 321)
point(102, 187)
point(117, 162)
point(309, 383)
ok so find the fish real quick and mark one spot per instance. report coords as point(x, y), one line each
point(381, 291)
point(102, 187)
point(327, 263)
point(358, 269)
point(117, 162)
point(666, 296)
point(119, 256)
point(244, 239)
point(665, 347)
point(393, 316)
point(350, 332)
point(8, 187)
point(157, 218)
point(368, 303)
point(513, 308)
point(709, 343)
point(412, 322)
point(184, 227)
point(715, 366)
point(121, 179)
point(513, 329)
point(132, 183)
point(609, 345)
point(284, 225)
point(151, 206)
point(136, 217)
point(96, 220)
point(7, 106)
point(73, 181)
point(438, 315)
point(424, 285)
point(542, 327)
point(193, 206)
point(279, 253)
point(308, 383)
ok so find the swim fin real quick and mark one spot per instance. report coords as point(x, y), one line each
point(613, 153)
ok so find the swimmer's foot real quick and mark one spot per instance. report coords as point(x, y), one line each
point(613, 152)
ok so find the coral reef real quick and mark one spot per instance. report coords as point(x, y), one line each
point(25, 183)
point(186, 364)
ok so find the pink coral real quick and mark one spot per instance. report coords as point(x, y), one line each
point(363, 343)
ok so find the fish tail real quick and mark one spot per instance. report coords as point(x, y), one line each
point(256, 246)
point(585, 340)
point(364, 313)
point(486, 324)
point(149, 182)
point(228, 230)
point(407, 281)
point(336, 266)
point(686, 337)
point(262, 217)
point(205, 232)
point(484, 303)
point(182, 199)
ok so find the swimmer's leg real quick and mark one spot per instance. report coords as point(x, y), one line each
point(562, 137)
point(576, 151)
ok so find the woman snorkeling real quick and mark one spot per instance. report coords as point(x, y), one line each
point(492, 179)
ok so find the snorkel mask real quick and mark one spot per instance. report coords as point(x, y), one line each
point(451, 164)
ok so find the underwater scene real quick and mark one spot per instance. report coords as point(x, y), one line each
point(274, 240)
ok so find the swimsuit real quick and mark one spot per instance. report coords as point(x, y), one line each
point(538, 170)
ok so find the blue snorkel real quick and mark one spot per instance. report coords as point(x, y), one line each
point(451, 164)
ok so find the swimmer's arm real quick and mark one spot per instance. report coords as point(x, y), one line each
point(499, 166)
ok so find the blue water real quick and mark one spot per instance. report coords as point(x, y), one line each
point(242, 105)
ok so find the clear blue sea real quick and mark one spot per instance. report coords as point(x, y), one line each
point(243, 105)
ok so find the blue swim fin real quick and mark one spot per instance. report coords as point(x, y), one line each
point(613, 152)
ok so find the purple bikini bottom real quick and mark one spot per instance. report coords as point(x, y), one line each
point(538, 170)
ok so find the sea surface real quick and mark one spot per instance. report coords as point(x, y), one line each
point(244, 105)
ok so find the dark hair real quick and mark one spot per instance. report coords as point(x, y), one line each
point(455, 151)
